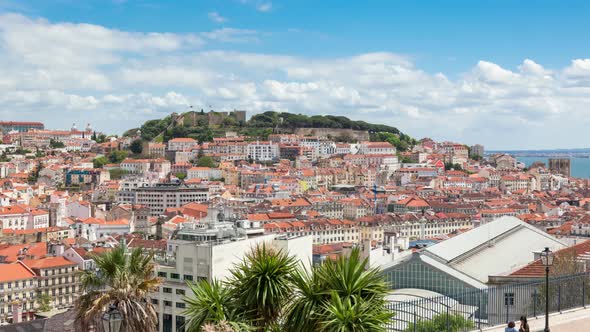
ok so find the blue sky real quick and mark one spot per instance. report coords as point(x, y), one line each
point(446, 36)
point(509, 74)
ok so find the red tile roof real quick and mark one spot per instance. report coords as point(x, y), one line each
point(536, 268)
point(48, 262)
point(15, 271)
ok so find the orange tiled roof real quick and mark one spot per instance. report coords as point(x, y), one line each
point(48, 262)
point(15, 271)
point(536, 269)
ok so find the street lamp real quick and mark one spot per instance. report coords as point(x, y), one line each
point(547, 260)
point(112, 319)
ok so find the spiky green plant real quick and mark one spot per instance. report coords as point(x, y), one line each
point(353, 314)
point(210, 304)
point(336, 292)
point(261, 284)
point(124, 280)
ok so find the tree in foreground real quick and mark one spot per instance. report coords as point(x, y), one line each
point(261, 284)
point(124, 280)
point(269, 291)
point(442, 322)
point(340, 295)
point(211, 308)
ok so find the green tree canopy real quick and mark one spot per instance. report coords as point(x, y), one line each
point(136, 146)
point(401, 142)
point(118, 156)
point(456, 167)
point(56, 144)
point(442, 322)
point(117, 173)
point(206, 161)
point(99, 162)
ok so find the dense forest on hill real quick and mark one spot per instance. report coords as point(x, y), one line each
point(259, 126)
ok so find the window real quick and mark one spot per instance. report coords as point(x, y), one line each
point(188, 277)
point(174, 275)
point(180, 305)
point(167, 290)
point(180, 291)
point(162, 274)
point(508, 298)
point(179, 324)
point(168, 303)
point(155, 301)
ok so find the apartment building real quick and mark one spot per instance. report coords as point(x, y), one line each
point(154, 150)
point(57, 278)
point(160, 197)
point(423, 229)
point(322, 231)
point(201, 252)
point(183, 143)
point(263, 151)
point(203, 173)
point(86, 176)
point(21, 217)
point(17, 293)
point(376, 148)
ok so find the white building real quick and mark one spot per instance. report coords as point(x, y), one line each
point(181, 143)
point(204, 173)
point(95, 228)
point(135, 166)
point(376, 148)
point(80, 257)
point(209, 253)
point(263, 151)
point(160, 197)
point(23, 217)
point(79, 209)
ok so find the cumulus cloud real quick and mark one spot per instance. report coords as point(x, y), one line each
point(117, 79)
point(264, 7)
point(216, 17)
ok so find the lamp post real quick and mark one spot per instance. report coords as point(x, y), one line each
point(112, 319)
point(547, 260)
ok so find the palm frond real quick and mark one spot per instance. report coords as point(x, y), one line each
point(124, 280)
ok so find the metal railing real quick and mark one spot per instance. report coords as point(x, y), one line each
point(494, 306)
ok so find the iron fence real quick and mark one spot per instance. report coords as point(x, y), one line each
point(494, 306)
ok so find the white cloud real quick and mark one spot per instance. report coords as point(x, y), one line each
point(264, 7)
point(231, 35)
point(216, 17)
point(117, 79)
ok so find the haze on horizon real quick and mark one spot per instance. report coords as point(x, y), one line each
point(507, 74)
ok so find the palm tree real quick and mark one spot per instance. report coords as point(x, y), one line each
point(212, 306)
point(262, 285)
point(268, 291)
point(341, 295)
point(124, 280)
point(353, 314)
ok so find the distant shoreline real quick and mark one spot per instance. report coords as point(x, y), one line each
point(557, 153)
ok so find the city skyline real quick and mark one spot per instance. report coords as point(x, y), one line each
point(444, 72)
